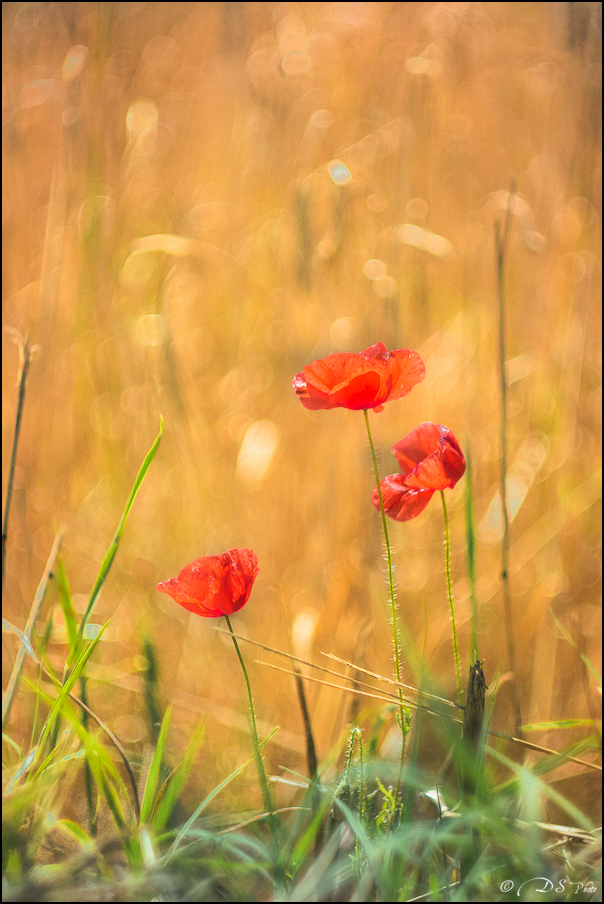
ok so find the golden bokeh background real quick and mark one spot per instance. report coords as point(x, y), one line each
point(200, 198)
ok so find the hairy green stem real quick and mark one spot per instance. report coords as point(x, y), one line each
point(388, 552)
point(450, 592)
point(397, 660)
point(266, 794)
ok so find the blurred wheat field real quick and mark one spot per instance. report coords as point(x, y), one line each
point(199, 199)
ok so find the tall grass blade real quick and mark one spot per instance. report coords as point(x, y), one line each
point(11, 690)
point(173, 785)
point(113, 548)
point(25, 355)
point(71, 621)
point(154, 769)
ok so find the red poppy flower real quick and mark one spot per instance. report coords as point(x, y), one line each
point(214, 585)
point(366, 380)
point(430, 459)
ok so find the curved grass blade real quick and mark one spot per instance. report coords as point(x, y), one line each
point(113, 548)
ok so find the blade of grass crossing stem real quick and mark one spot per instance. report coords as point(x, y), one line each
point(68, 686)
point(189, 823)
point(83, 733)
point(154, 770)
point(111, 552)
point(173, 785)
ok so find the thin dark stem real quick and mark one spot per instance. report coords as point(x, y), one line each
point(450, 593)
point(397, 661)
point(115, 742)
point(500, 248)
point(25, 354)
point(266, 795)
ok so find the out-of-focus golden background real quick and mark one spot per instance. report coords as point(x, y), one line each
point(200, 198)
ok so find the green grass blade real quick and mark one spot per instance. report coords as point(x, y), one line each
point(551, 726)
point(154, 770)
point(579, 818)
point(355, 824)
point(75, 831)
point(68, 686)
point(71, 622)
point(189, 823)
point(172, 787)
point(113, 548)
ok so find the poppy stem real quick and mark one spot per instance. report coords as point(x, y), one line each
point(402, 721)
point(266, 795)
point(450, 592)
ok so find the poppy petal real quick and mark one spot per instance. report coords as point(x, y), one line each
point(453, 458)
point(430, 457)
point(359, 381)
point(214, 585)
point(405, 369)
point(416, 446)
point(401, 502)
point(357, 392)
point(374, 351)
